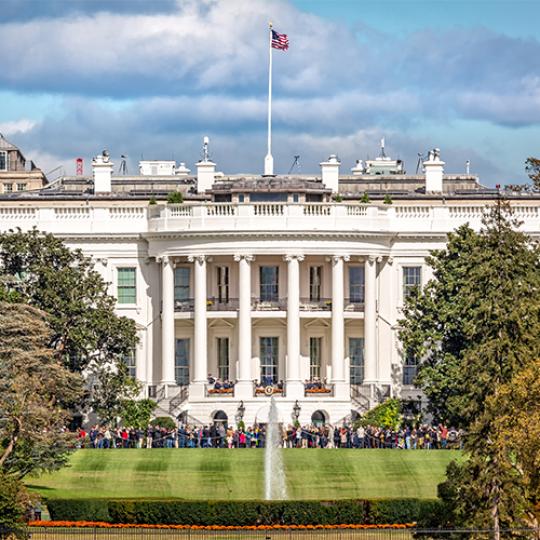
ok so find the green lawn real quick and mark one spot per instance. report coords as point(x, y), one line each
point(238, 474)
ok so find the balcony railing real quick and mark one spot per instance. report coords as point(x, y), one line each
point(354, 304)
point(263, 304)
point(268, 390)
point(318, 389)
point(322, 304)
point(219, 391)
point(215, 304)
point(184, 305)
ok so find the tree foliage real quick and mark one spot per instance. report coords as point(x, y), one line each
point(137, 413)
point(36, 390)
point(14, 501)
point(386, 414)
point(478, 321)
point(532, 168)
point(44, 273)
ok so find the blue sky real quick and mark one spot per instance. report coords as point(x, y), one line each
point(151, 78)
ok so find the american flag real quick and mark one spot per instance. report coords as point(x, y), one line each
point(279, 41)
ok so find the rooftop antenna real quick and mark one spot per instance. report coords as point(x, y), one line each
point(296, 162)
point(123, 165)
point(206, 141)
point(468, 167)
point(383, 153)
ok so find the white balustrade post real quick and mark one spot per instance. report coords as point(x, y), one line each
point(370, 321)
point(338, 327)
point(293, 384)
point(167, 322)
point(200, 364)
point(244, 387)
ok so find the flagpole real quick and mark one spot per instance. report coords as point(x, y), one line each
point(269, 160)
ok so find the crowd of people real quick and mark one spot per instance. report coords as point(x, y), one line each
point(426, 437)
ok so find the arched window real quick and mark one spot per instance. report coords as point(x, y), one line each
point(220, 417)
point(318, 418)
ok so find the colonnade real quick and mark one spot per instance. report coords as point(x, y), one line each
point(294, 386)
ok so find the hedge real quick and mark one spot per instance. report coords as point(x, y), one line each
point(241, 513)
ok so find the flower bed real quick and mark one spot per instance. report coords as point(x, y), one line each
point(221, 390)
point(102, 524)
point(318, 390)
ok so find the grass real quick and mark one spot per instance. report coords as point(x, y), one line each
point(210, 474)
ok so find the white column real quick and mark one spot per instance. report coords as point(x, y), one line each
point(293, 384)
point(338, 326)
point(167, 322)
point(370, 321)
point(200, 327)
point(244, 387)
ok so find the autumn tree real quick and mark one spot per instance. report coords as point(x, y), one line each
point(36, 393)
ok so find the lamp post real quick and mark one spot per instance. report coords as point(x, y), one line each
point(296, 410)
point(240, 412)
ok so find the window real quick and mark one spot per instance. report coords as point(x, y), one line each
point(295, 197)
point(410, 368)
point(3, 161)
point(21, 187)
point(130, 361)
point(181, 362)
point(8, 188)
point(223, 283)
point(356, 284)
point(241, 198)
point(356, 357)
point(127, 289)
point(315, 278)
point(412, 279)
point(223, 358)
point(269, 276)
point(182, 277)
point(269, 360)
point(315, 357)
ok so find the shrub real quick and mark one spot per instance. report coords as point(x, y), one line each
point(164, 421)
point(152, 200)
point(338, 198)
point(365, 198)
point(245, 513)
point(386, 414)
point(175, 197)
point(387, 199)
point(14, 501)
point(79, 509)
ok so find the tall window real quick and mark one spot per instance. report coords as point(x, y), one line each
point(223, 358)
point(412, 279)
point(269, 359)
point(315, 357)
point(181, 362)
point(269, 288)
point(356, 284)
point(356, 357)
point(130, 361)
point(223, 283)
point(182, 277)
point(410, 368)
point(3, 161)
point(315, 278)
point(127, 286)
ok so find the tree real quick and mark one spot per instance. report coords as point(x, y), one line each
point(532, 168)
point(475, 328)
point(14, 501)
point(137, 413)
point(386, 414)
point(38, 269)
point(477, 322)
point(36, 391)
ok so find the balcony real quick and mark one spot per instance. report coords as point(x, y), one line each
point(318, 389)
point(268, 390)
point(219, 391)
point(322, 304)
point(353, 304)
point(265, 304)
point(215, 304)
point(184, 305)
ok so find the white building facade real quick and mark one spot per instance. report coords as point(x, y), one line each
point(269, 286)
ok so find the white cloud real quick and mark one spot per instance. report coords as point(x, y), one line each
point(17, 126)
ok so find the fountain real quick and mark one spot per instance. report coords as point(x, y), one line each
point(274, 471)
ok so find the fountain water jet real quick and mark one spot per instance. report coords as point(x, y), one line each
point(274, 471)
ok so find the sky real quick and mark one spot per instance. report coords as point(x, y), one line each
point(150, 78)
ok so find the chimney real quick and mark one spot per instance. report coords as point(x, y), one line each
point(102, 168)
point(206, 170)
point(434, 169)
point(330, 173)
point(358, 168)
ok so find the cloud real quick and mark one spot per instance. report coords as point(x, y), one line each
point(17, 126)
